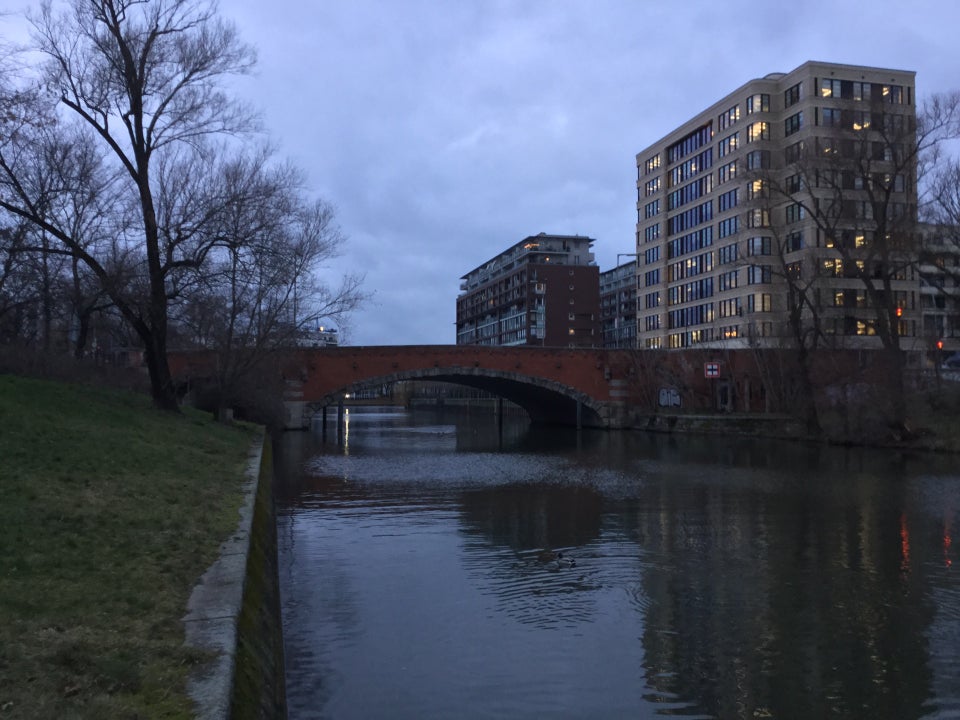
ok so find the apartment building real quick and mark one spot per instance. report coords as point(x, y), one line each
point(769, 200)
point(618, 306)
point(544, 290)
point(940, 288)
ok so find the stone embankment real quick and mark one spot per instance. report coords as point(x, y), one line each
point(234, 612)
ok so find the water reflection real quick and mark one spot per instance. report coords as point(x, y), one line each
point(713, 577)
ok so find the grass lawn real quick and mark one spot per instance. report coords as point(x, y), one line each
point(109, 513)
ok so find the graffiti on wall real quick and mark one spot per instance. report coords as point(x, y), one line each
point(669, 397)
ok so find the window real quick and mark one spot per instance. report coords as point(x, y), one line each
point(892, 94)
point(729, 117)
point(793, 153)
point(828, 146)
point(651, 233)
point(758, 103)
point(833, 266)
point(792, 124)
point(651, 277)
point(757, 189)
point(727, 227)
point(688, 168)
point(651, 186)
point(652, 300)
point(758, 217)
point(728, 280)
point(651, 322)
point(729, 308)
point(651, 208)
point(758, 160)
point(791, 95)
point(861, 91)
point(651, 164)
point(651, 255)
point(760, 302)
point(829, 88)
point(727, 172)
point(860, 120)
point(690, 143)
point(892, 124)
point(793, 184)
point(794, 212)
point(830, 117)
point(793, 242)
point(688, 218)
point(729, 144)
point(728, 200)
point(728, 254)
point(758, 246)
point(758, 131)
point(794, 270)
point(689, 193)
point(696, 240)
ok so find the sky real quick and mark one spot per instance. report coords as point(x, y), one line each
point(444, 132)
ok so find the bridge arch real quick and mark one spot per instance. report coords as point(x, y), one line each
point(547, 402)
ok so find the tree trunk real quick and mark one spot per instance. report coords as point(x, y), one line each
point(83, 330)
point(161, 382)
point(894, 370)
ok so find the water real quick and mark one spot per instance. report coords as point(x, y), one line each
point(713, 577)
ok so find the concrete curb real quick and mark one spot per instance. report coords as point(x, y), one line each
point(215, 604)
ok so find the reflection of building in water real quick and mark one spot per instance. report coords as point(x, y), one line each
point(792, 602)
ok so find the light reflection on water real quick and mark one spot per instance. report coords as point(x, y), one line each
point(712, 578)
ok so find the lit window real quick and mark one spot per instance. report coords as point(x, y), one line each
point(829, 88)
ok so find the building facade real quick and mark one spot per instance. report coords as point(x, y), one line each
point(940, 289)
point(618, 306)
point(544, 290)
point(790, 193)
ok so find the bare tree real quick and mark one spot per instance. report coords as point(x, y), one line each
point(260, 290)
point(855, 186)
point(941, 257)
point(144, 77)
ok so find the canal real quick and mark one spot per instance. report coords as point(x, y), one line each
point(710, 577)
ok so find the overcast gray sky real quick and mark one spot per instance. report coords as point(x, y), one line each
point(444, 132)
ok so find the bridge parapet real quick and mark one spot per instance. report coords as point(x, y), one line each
point(555, 385)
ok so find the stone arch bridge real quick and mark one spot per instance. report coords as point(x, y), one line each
point(575, 387)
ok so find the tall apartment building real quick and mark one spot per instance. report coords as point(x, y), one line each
point(618, 306)
point(776, 182)
point(940, 288)
point(544, 290)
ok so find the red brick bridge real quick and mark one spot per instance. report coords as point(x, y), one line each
point(577, 387)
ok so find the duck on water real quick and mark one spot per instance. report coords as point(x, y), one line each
point(555, 558)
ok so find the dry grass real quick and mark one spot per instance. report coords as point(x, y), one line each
point(109, 512)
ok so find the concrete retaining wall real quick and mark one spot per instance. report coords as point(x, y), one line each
point(234, 611)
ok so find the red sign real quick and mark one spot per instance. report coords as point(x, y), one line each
point(711, 369)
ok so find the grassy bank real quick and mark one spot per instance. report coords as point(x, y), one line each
point(109, 512)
